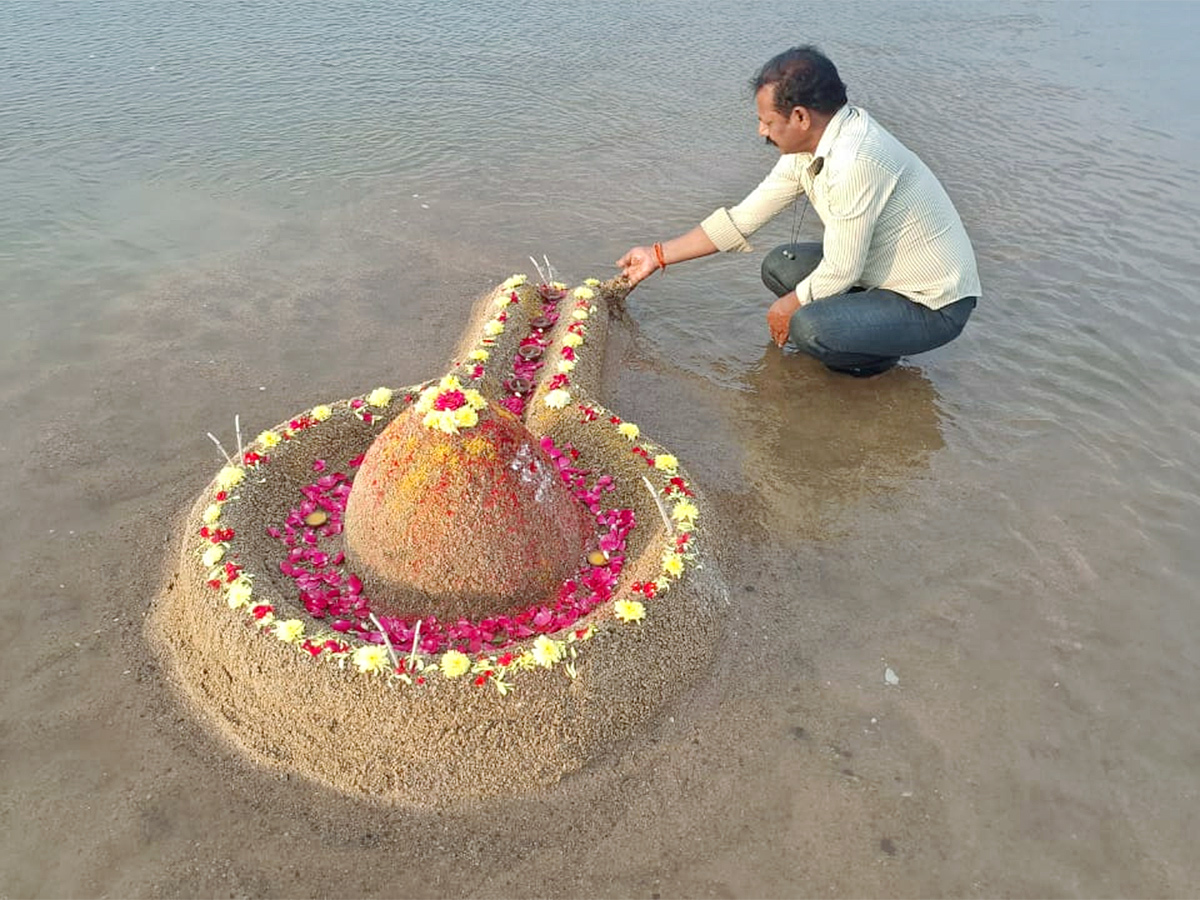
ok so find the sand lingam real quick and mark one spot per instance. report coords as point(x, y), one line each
point(467, 587)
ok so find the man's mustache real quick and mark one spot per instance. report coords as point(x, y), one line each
point(771, 142)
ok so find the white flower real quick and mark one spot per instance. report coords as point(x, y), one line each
point(239, 593)
point(579, 314)
point(545, 651)
point(290, 631)
point(230, 476)
point(212, 556)
point(380, 397)
point(566, 365)
point(558, 398)
point(371, 658)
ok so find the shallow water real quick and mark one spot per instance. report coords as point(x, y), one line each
point(230, 208)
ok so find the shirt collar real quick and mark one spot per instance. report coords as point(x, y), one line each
point(832, 130)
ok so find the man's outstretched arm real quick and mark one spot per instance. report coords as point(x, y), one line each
point(641, 262)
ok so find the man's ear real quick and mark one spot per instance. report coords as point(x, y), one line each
point(801, 116)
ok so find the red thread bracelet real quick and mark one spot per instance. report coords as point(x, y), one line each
point(658, 255)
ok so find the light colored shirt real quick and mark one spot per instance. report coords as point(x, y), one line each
point(888, 221)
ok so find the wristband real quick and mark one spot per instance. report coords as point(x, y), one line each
point(658, 255)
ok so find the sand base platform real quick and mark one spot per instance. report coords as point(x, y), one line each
point(308, 665)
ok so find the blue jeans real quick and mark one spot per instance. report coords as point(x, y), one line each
point(862, 332)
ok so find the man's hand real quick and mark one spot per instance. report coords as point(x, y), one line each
point(638, 264)
point(779, 317)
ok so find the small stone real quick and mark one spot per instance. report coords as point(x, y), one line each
point(316, 518)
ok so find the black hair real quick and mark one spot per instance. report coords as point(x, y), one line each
point(803, 76)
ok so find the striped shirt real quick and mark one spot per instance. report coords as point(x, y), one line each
point(888, 221)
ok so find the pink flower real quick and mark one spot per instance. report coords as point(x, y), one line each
point(450, 400)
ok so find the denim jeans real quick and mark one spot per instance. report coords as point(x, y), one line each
point(862, 332)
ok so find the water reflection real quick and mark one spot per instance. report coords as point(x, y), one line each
point(817, 442)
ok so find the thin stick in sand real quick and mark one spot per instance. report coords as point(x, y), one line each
point(213, 438)
point(383, 633)
point(662, 510)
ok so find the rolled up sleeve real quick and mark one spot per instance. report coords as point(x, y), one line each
point(729, 229)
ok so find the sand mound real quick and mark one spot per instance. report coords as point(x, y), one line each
point(309, 662)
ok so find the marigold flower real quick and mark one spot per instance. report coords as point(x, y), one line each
point(321, 413)
point(211, 513)
point(629, 610)
point(566, 365)
point(685, 512)
point(672, 564)
point(465, 417)
point(493, 328)
point(371, 658)
point(478, 355)
point(454, 664)
point(558, 398)
point(512, 281)
point(592, 282)
point(269, 439)
point(474, 399)
point(558, 285)
point(580, 314)
point(584, 293)
point(230, 476)
point(239, 593)
point(212, 555)
point(380, 397)
point(546, 652)
point(667, 462)
point(571, 339)
point(289, 631)
point(629, 430)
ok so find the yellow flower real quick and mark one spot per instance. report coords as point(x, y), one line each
point(545, 651)
point(566, 365)
point(212, 512)
point(290, 631)
point(512, 281)
point(685, 513)
point(449, 383)
point(493, 328)
point(592, 282)
point(571, 339)
point(672, 564)
point(478, 355)
point(666, 462)
point(239, 593)
point(230, 476)
point(212, 556)
point(558, 285)
point(465, 417)
point(584, 293)
point(558, 398)
point(441, 420)
point(269, 439)
point(474, 398)
point(455, 664)
point(380, 397)
point(371, 658)
point(629, 430)
point(629, 610)
point(579, 314)
point(321, 413)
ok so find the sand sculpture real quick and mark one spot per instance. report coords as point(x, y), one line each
point(467, 587)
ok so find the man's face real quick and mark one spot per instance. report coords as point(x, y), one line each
point(789, 133)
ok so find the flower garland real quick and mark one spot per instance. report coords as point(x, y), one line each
point(461, 646)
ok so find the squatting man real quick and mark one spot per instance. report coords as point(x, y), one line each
point(894, 274)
